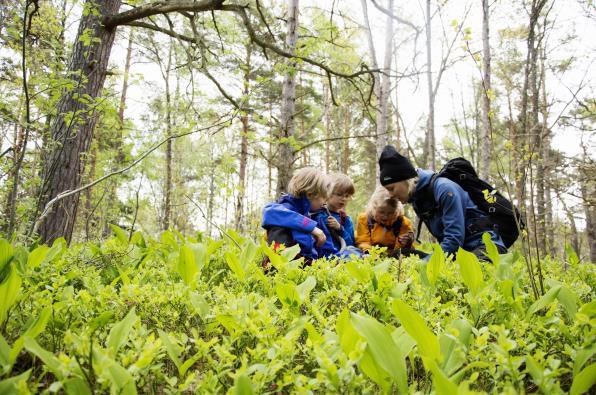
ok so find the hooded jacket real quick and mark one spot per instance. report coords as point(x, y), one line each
point(452, 222)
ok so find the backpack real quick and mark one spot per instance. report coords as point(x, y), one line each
point(503, 216)
point(395, 227)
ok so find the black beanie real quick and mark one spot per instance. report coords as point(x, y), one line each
point(394, 166)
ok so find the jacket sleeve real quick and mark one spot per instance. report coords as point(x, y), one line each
point(452, 217)
point(406, 227)
point(348, 231)
point(275, 214)
point(363, 239)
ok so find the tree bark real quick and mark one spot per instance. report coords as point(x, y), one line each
point(430, 146)
point(243, 144)
point(72, 129)
point(285, 158)
point(588, 191)
point(167, 205)
point(485, 148)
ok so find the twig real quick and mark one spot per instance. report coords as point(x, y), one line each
point(211, 222)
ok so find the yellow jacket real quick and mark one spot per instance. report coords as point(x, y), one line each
point(380, 235)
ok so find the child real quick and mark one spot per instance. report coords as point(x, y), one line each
point(339, 226)
point(287, 221)
point(384, 224)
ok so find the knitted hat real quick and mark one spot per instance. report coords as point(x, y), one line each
point(394, 166)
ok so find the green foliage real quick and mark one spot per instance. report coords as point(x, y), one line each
point(183, 315)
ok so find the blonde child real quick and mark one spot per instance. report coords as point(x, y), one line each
point(384, 224)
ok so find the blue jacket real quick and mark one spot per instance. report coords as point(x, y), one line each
point(292, 212)
point(331, 247)
point(450, 223)
point(347, 226)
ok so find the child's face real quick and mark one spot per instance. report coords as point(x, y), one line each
point(316, 202)
point(399, 190)
point(385, 215)
point(338, 201)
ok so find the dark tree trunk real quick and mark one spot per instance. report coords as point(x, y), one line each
point(72, 129)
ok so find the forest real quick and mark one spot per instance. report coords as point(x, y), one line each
point(141, 139)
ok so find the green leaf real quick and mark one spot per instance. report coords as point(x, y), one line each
point(5, 364)
point(187, 266)
point(569, 301)
point(291, 252)
point(384, 351)
point(535, 370)
point(172, 349)
point(6, 253)
point(589, 309)
point(120, 331)
point(120, 234)
point(243, 385)
point(358, 271)
point(428, 344)
point(491, 249)
point(200, 305)
point(305, 287)
point(544, 301)
point(581, 357)
point(120, 379)
point(584, 380)
point(11, 385)
point(435, 264)
point(248, 254)
point(348, 337)
point(188, 363)
point(470, 270)
point(9, 292)
point(37, 256)
point(453, 354)
point(52, 363)
point(572, 257)
point(76, 386)
point(443, 385)
point(233, 262)
point(288, 294)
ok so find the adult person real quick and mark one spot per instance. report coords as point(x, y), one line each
point(445, 207)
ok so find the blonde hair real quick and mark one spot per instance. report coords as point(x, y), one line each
point(309, 182)
point(341, 184)
point(382, 198)
point(411, 186)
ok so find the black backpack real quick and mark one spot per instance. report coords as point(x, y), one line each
point(503, 216)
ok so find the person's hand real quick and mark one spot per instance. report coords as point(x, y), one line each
point(407, 239)
point(332, 223)
point(319, 236)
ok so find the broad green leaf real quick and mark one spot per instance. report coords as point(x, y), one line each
point(491, 249)
point(233, 262)
point(384, 351)
point(76, 386)
point(37, 256)
point(581, 357)
point(435, 264)
point(243, 385)
point(291, 252)
point(172, 349)
point(535, 370)
point(187, 266)
point(589, 309)
point(188, 363)
point(120, 331)
point(36, 327)
point(120, 234)
point(372, 369)
point(248, 254)
point(200, 254)
point(453, 354)
point(584, 380)
point(288, 294)
point(544, 301)
point(6, 253)
point(348, 337)
point(464, 330)
point(9, 291)
point(358, 271)
point(428, 344)
point(52, 363)
point(57, 249)
point(19, 259)
point(470, 270)
point(169, 239)
point(4, 356)
point(10, 386)
point(404, 341)
point(276, 260)
point(443, 385)
point(200, 305)
point(120, 379)
point(569, 301)
point(572, 257)
point(305, 287)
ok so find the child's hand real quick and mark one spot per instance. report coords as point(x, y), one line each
point(407, 239)
point(319, 236)
point(332, 223)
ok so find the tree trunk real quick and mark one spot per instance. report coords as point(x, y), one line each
point(429, 145)
point(346, 143)
point(486, 92)
point(72, 128)
point(285, 158)
point(327, 118)
point(167, 205)
point(118, 143)
point(547, 179)
point(588, 191)
point(243, 144)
